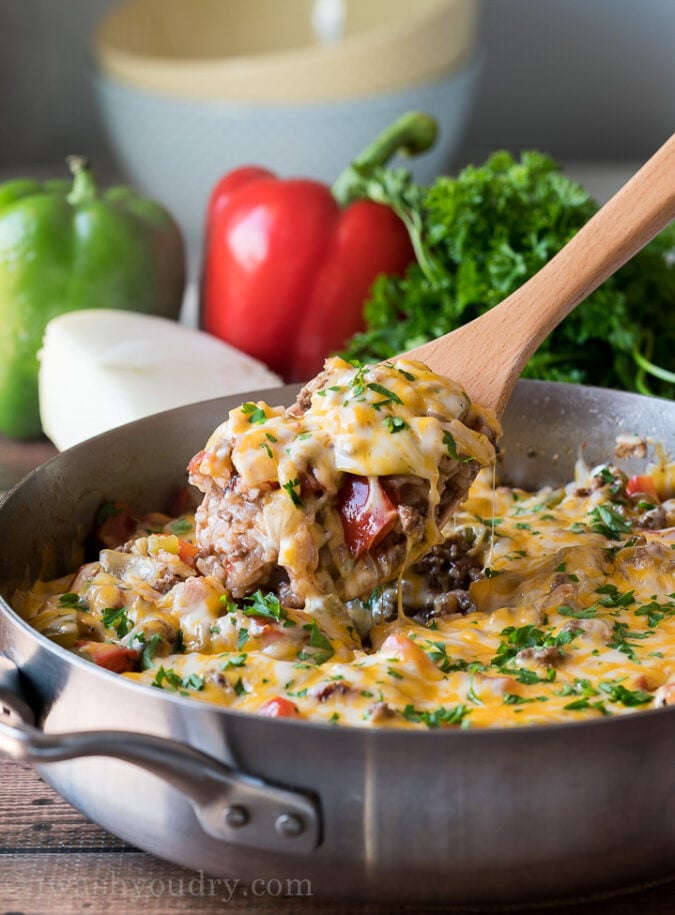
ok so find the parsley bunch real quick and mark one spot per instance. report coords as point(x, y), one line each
point(480, 236)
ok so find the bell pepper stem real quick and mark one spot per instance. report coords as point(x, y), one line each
point(84, 186)
point(413, 133)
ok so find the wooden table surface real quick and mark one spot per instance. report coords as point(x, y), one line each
point(53, 861)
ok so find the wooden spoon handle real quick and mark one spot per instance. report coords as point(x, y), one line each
point(488, 354)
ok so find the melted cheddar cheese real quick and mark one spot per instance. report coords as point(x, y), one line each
point(572, 616)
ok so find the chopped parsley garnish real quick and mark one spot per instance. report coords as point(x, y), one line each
point(440, 717)
point(580, 705)
point(615, 691)
point(237, 661)
point(181, 526)
point(527, 676)
point(620, 636)
point(563, 569)
point(516, 639)
point(628, 697)
point(290, 488)
point(578, 614)
point(451, 445)
point(521, 637)
point(655, 612)
point(256, 414)
point(149, 651)
point(116, 618)
point(437, 653)
point(606, 476)
point(166, 678)
point(242, 638)
point(70, 599)
point(358, 382)
point(389, 396)
point(614, 597)
point(229, 605)
point(580, 687)
point(318, 649)
point(608, 521)
point(268, 606)
point(395, 424)
point(515, 699)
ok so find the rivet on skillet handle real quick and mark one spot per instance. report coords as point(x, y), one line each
point(229, 804)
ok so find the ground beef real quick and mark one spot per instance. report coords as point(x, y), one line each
point(436, 586)
point(449, 603)
point(379, 712)
point(338, 688)
point(227, 525)
point(304, 398)
point(450, 565)
point(548, 656)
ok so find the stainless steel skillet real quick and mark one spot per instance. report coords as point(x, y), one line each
point(502, 816)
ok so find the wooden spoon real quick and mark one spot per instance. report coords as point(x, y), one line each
point(488, 354)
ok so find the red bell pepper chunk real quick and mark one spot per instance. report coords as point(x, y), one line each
point(279, 708)
point(288, 263)
point(187, 552)
point(366, 511)
point(110, 656)
point(642, 483)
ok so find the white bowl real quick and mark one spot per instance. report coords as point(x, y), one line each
point(175, 150)
point(283, 50)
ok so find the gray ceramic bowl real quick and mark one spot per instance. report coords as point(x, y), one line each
point(175, 150)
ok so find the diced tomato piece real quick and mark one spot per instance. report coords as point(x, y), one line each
point(366, 511)
point(279, 708)
point(116, 523)
point(642, 483)
point(187, 552)
point(399, 646)
point(110, 656)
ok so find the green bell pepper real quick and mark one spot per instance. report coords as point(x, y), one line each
point(65, 246)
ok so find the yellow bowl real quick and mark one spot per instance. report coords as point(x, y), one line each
point(283, 50)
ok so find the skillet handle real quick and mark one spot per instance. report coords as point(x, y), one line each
point(229, 804)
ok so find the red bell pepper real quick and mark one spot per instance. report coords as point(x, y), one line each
point(110, 656)
point(366, 511)
point(288, 263)
point(644, 484)
point(279, 708)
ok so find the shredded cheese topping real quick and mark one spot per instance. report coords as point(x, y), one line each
point(573, 618)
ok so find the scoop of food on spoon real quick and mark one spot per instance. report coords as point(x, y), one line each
point(353, 483)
